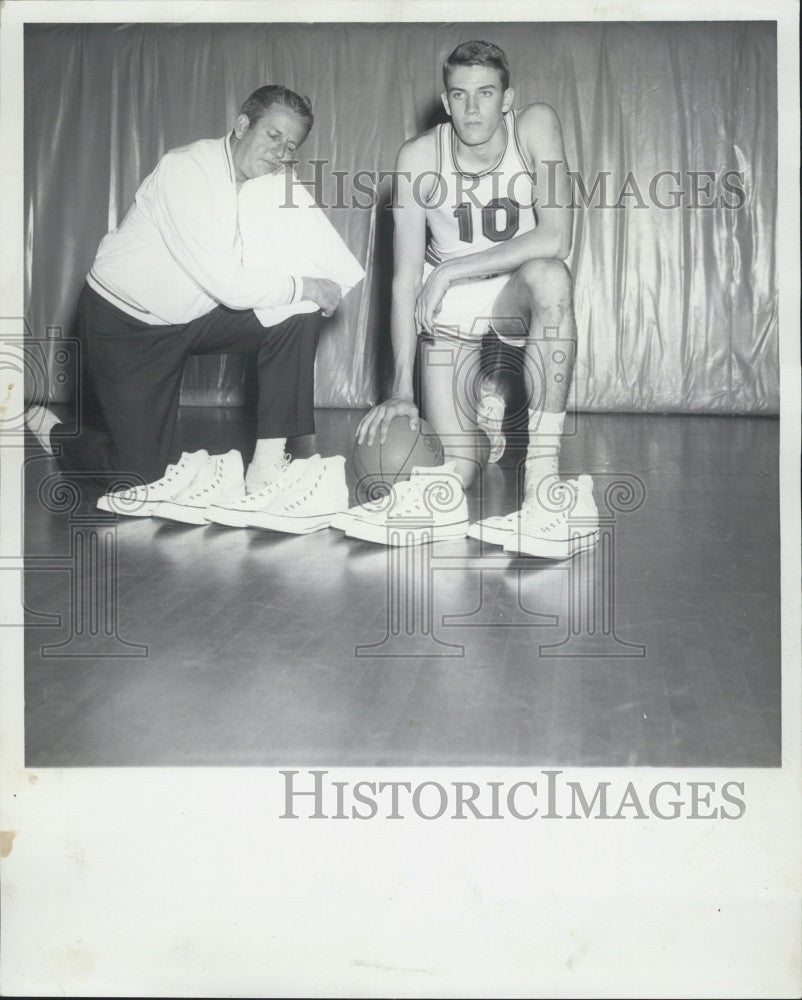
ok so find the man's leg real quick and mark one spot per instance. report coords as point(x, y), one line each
point(451, 384)
point(135, 372)
point(285, 356)
point(558, 519)
point(540, 294)
point(499, 392)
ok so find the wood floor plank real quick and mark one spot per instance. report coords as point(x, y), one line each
point(268, 649)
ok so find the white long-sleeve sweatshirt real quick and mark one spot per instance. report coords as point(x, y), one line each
point(178, 252)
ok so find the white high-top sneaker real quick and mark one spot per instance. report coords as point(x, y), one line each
point(237, 512)
point(490, 418)
point(220, 478)
point(495, 530)
point(140, 501)
point(430, 508)
point(558, 534)
point(311, 503)
point(501, 529)
point(343, 519)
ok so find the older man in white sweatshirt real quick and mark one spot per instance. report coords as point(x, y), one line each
point(172, 281)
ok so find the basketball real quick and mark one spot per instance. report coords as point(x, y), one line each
point(379, 466)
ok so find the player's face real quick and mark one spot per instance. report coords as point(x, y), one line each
point(475, 101)
point(269, 144)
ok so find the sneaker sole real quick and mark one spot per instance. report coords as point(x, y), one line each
point(177, 512)
point(128, 508)
point(341, 521)
point(290, 525)
point(490, 535)
point(228, 518)
point(383, 534)
point(549, 548)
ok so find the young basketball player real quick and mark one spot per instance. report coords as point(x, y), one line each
point(491, 187)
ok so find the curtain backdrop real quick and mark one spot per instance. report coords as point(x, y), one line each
point(676, 306)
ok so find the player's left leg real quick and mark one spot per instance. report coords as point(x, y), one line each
point(452, 384)
point(498, 395)
point(541, 294)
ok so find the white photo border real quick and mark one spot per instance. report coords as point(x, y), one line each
point(170, 881)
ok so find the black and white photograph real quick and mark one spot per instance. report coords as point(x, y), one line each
point(400, 475)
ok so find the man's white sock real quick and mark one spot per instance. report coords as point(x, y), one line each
point(268, 454)
point(40, 422)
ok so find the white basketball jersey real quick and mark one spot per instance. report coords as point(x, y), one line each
point(466, 212)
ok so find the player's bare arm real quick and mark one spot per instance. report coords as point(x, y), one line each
point(415, 157)
point(541, 135)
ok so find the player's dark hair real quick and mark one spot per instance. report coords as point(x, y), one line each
point(479, 54)
point(260, 100)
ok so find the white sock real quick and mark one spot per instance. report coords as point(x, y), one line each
point(543, 450)
point(491, 406)
point(268, 451)
point(268, 454)
point(40, 422)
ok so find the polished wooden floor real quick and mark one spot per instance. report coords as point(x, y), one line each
point(153, 643)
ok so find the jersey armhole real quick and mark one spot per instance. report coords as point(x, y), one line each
point(430, 199)
point(519, 145)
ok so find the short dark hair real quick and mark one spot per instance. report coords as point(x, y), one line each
point(479, 54)
point(260, 100)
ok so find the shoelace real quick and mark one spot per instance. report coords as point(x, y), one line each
point(136, 491)
point(252, 500)
point(555, 521)
point(558, 520)
point(171, 473)
point(392, 500)
point(410, 507)
point(307, 494)
point(491, 416)
point(204, 490)
point(411, 501)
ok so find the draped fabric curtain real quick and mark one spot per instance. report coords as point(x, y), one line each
point(670, 129)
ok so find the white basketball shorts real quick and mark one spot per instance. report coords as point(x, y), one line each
point(467, 309)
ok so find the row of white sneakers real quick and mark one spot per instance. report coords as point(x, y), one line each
point(309, 494)
point(431, 507)
point(301, 496)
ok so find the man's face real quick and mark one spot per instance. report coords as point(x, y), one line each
point(267, 145)
point(475, 101)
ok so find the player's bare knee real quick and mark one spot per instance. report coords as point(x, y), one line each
point(548, 285)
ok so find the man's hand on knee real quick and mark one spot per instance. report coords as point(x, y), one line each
point(380, 417)
point(325, 293)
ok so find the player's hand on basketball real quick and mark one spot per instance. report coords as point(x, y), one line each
point(431, 299)
point(325, 293)
point(376, 423)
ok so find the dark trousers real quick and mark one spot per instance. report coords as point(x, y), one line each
point(135, 372)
